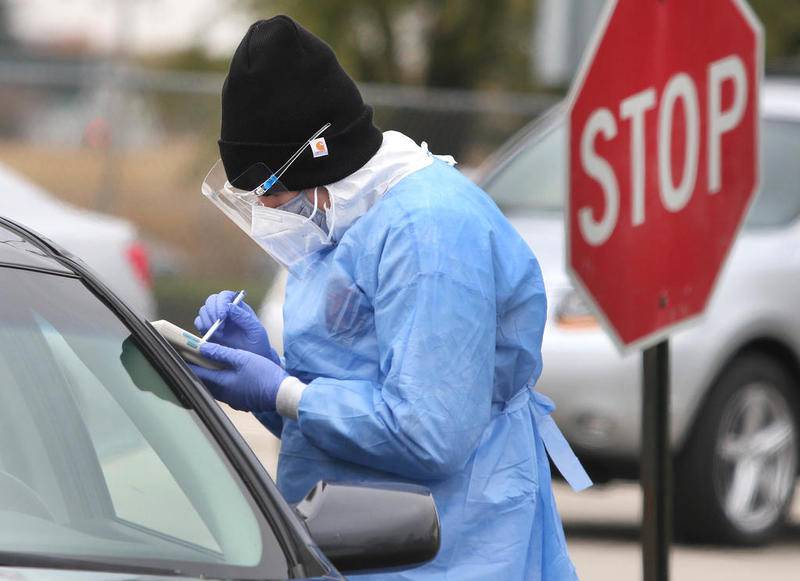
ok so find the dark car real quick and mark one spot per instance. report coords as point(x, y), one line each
point(115, 461)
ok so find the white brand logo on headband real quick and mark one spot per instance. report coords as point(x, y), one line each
point(319, 148)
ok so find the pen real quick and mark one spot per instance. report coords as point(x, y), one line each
point(218, 322)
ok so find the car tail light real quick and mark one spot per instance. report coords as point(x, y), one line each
point(140, 262)
point(574, 313)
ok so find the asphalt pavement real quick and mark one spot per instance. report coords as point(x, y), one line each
point(603, 525)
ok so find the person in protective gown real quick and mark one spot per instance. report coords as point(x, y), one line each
point(413, 315)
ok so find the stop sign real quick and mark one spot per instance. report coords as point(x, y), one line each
point(663, 158)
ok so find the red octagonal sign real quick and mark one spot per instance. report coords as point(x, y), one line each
point(663, 158)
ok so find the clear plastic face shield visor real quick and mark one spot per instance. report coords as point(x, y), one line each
point(287, 237)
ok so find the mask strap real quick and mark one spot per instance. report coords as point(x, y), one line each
point(314, 213)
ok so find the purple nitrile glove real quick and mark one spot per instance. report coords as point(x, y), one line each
point(240, 328)
point(250, 383)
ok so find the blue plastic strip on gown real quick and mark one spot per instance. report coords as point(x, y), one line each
point(270, 182)
point(556, 444)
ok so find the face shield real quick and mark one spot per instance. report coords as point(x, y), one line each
point(289, 238)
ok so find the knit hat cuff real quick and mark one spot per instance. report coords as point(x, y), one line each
point(348, 151)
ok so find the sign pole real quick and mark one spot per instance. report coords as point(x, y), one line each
point(656, 463)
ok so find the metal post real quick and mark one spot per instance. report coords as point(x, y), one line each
point(656, 463)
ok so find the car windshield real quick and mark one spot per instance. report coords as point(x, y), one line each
point(534, 178)
point(100, 462)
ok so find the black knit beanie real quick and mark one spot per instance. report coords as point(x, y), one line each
point(283, 85)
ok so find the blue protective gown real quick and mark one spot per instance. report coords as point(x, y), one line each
point(419, 335)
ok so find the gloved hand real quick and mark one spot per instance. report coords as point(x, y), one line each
point(250, 383)
point(240, 328)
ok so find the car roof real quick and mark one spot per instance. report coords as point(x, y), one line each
point(21, 248)
point(27, 203)
point(780, 98)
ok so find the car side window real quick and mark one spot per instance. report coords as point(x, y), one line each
point(535, 178)
point(142, 489)
point(99, 459)
point(778, 201)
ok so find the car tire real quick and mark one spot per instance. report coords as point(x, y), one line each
point(735, 477)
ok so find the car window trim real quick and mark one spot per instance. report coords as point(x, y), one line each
point(41, 561)
point(38, 269)
point(289, 532)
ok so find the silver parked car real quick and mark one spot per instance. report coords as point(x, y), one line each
point(735, 375)
point(109, 245)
